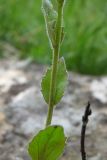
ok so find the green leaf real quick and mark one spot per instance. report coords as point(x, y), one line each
point(48, 10)
point(61, 82)
point(50, 16)
point(48, 144)
point(45, 85)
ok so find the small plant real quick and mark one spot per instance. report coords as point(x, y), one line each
point(49, 143)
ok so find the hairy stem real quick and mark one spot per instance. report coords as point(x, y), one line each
point(56, 51)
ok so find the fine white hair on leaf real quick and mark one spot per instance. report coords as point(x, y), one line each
point(47, 6)
point(50, 16)
point(48, 9)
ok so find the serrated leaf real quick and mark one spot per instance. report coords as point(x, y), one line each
point(48, 144)
point(61, 82)
point(45, 85)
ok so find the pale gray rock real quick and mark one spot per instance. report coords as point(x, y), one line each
point(32, 125)
point(29, 98)
point(10, 78)
point(23, 64)
point(99, 89)
point(97, 157)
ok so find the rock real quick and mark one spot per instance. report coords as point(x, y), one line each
point(29, 112)
point(22, 64)
point(99, 89)
point(63, 122)
point(103, 119)
point(30, 98)
point(97, 157)
point(71, 120)
point(31, 126)
point(4, 126)
point(11, 78)
point(2, 117)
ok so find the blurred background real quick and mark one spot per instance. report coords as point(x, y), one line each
point(24, 56)
point(85, 46)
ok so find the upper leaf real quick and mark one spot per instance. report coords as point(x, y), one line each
point(48, 144)
point(61, 82)
point(50, 16)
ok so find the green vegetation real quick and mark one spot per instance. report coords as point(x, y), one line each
point(85, 48)
point(48, 144)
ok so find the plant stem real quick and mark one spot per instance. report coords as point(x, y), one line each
point(87, 113)
point(55, 60)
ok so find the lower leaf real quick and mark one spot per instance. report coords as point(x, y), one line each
point(48, 144)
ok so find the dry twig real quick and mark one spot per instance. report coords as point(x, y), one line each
point(87, 113)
